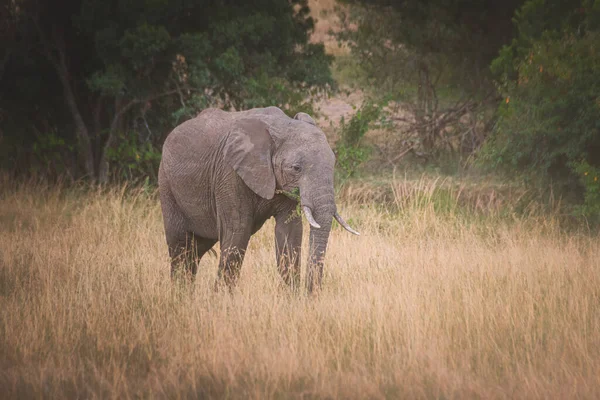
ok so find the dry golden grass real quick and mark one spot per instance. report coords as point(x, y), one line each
point(425, 304)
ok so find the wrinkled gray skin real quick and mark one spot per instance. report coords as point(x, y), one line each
point(218, 177)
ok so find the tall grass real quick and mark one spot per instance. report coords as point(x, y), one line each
point(427, 303)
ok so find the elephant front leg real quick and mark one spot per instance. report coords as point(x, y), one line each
point(183, 262)
point(233, 249)
point(288, 245)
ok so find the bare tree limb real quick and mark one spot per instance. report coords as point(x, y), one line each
point(60, 65)
point(112, 134)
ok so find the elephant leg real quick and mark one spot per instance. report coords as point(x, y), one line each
point(185, 248)
point(288, 245)
point(233, 249)
point(186, 253)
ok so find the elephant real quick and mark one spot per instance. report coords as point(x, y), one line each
point(224, 173)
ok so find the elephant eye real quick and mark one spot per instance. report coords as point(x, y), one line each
point(296, 168)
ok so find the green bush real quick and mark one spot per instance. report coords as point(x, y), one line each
point(93, 68)
point(134, 159)
point(51, 155)
point(550, 81)
point(350, 150)
point(349, 158)
point(589, 177)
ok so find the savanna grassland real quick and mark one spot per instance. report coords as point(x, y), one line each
point(447, 294)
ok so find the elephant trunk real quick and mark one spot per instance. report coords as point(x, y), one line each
point(319, 210)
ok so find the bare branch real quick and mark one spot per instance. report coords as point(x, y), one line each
point(120, 110)
point(60, 65)
point(178, 89)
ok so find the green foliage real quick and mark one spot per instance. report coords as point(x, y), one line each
point(105, 65)
point(51, 153)
point(143, 44)
point(550, 116)
point(294, 194)
point(134, 159)
point(353, 131)
point(229, 64)
point(349, 158)
point(263, 90)
point(459, 30)
point(348, 72)
point(109, 82)
point(312, 67)
point(538, 19)
point(350, 151)
point(433, 58)
point(589, 177)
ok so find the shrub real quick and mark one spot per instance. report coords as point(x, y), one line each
point(134, 159)
point(550, 116)
point(350, 150)
point(589, 177)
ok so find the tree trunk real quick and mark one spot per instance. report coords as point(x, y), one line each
point(81, 130)
point(60, 65)
point(120, 110)
point(103, 166)
point(426, 110)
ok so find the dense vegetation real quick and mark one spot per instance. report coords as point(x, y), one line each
point(90, 88)
point(548, 126)
point(87, 82)
point(432, 58)
point(514, 85)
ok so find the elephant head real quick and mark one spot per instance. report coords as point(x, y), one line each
point(286, 155)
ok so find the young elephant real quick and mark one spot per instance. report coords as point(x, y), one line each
point(223, 174)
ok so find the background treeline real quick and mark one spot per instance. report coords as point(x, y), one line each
point(90, 88)
point(509, 86)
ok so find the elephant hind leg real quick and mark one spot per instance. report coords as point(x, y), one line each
point(186, 253)
point(185, 248)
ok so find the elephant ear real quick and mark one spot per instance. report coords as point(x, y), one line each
point(248, 150)
point(305, 117)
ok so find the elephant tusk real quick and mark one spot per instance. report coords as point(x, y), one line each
point(310, 218)
point(343, 223)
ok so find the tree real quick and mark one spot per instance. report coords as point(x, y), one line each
point(117, 62)
point(433, 58)
point(549, 123)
